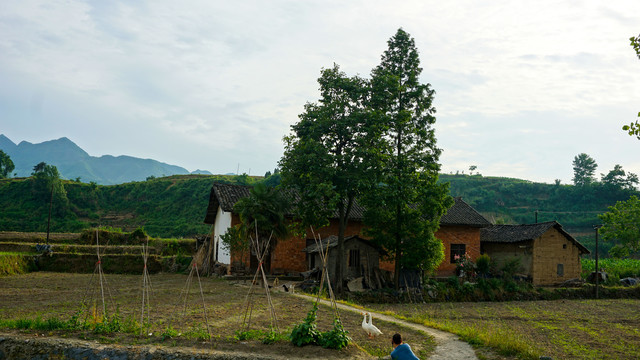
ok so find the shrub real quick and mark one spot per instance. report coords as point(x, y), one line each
point(306, 333)
point(483, 264)
point(337, 338)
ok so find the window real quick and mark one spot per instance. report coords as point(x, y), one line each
point(560, 269)
point(457, 250)
point(354, 258)
point(564, 246)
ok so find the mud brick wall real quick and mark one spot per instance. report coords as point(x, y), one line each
point(551, 250)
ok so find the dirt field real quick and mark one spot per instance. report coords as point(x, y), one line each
point(60, 295)
point(561, 329)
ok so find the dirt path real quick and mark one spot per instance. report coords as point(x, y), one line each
point(449, 346)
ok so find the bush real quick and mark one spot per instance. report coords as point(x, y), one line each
point(483, 264)
point(307, 332)
point(337, 338)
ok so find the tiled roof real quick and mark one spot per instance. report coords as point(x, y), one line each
point(226, 195)
point(462, 213)
point(518, 233)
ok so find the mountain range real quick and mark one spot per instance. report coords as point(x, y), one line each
point(73, 162)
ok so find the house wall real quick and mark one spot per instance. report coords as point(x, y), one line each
point(501, 253)
point(549, 250)
point(288, 254)
point(470, 236)
point(222, 224)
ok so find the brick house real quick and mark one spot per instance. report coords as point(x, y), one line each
point(459, 232)
point(548, 255)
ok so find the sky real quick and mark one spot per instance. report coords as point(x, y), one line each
point(522, 87)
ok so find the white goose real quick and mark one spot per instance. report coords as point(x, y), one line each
point(368, 327)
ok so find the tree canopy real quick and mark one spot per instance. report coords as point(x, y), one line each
point(6, 165)
point(328, 155)
point(584, 168)
point(405, 206)
point(618, 178)
point(621, 224)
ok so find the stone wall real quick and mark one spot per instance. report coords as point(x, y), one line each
point(15, 346)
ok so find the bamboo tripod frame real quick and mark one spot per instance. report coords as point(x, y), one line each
point(102, 282)
point(260, 254)
point(146, 289)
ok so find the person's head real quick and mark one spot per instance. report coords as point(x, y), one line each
point(396, 340)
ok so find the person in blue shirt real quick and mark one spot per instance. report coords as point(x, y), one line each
point(401, 351)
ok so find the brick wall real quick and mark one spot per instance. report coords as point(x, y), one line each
point(470, 236)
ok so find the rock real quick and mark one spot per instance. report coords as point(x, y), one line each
point(355, 285)
point(629, 281)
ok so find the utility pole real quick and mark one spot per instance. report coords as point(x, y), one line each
point(50, 206)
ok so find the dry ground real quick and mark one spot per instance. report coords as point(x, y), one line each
point(60, 295)
point(562, 329)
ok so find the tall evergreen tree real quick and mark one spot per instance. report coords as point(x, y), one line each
point(584, 168)
point(404, 208)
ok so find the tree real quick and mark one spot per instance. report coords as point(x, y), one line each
point(327, 157)
point(619, 179)
point(262, 214)
point(47, 185)
point(634, 127)
point(622, 225)
point(584, 167)
point(6, 165)
point(404, 209)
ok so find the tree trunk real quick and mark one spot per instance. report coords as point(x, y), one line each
point(340, 257)
point(398, 249)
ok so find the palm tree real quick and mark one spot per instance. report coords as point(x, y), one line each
point(263, 217)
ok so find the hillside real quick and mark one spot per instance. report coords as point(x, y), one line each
point(73, 162)
point(175, 206)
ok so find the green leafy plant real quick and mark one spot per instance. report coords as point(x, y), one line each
point(483, 264)
point(337, 338)
point(307, 332)
point(169, 333)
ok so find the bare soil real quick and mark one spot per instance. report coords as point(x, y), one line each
point(60, 295)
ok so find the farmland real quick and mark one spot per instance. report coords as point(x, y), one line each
point(563, 329)
point(43, 295)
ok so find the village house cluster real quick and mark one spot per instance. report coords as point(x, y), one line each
point(547, 254)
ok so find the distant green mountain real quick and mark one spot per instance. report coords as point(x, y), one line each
point(73, 162)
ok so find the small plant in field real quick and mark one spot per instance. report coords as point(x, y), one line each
point(306, 333)
point(272, 337)
point(198, 333)
point(337, 338)
point(169, 333)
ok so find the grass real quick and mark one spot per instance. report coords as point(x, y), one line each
point(13, 263)
point(562, 329)
point(615, 268)
point(46, 302)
